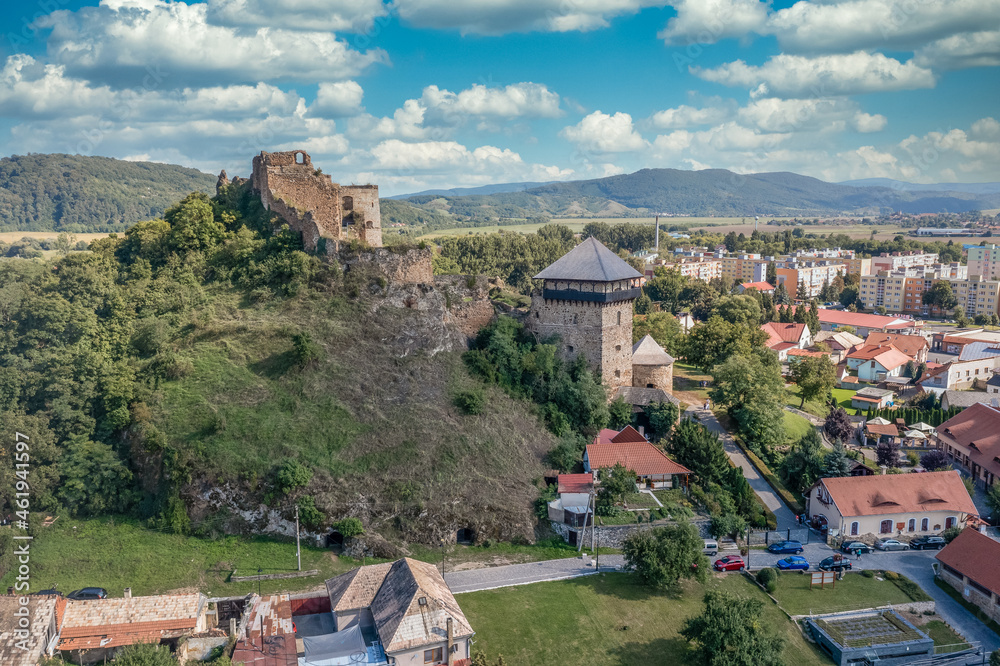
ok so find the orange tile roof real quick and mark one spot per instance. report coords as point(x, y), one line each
point(778, 333)
point(576, 483)
point(115, 622)
point(911, 345)
point(899, 493)
point(892, 358)
point(847, 318)
point(868, 352)
point(974, 555)
point(628, 434)
point(977, 428)
point(806, 352)
point(641, 457)
point(759, 286)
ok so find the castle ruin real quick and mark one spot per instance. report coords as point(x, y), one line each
point(312, 204)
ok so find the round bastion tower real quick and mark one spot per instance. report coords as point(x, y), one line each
point(586, 299)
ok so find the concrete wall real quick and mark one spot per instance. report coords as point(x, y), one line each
point(416, 657)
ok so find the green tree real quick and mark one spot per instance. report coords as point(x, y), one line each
point(836, 462)
point(995, 658)
point(716, 340)
point(753, 392)
point(960, 318)
point(616, 484)
point(815, 376)
point(803, 464)
point(291, 474)
point(849, 296)
point(621, 414)
point(662, 417)
point(145, 654)
point(94, 480)
point(699, 449)
point(993, 499)
point(309, 514)
point(742, 309)
point(731, 632)
point(192, 223)
point(643, 304)
point(662, 556)
point(663, 327)
point(940, 295)
point(349, 527)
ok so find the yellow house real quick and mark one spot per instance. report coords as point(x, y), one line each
point(894, 505)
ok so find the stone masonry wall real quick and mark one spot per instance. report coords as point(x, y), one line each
point(653, 376)
point(361, 203)
point(613, 536)
point(410, 267)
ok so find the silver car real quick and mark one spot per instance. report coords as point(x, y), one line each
point(891, 544)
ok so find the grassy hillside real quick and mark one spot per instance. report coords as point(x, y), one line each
point(74, 193)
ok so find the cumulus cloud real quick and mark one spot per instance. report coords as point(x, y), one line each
point(688, 116)
point(708, 21)
point(337, 100)
point(520, 100)
point(311, 15)
point(495, 17)
point(124, 43)
point(865, 122)
point(975, 49)
point(793, 76)
point(603, 133)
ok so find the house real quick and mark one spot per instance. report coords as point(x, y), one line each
point(860, 469)
point(969, 564)
point(874, 363)
point(958, 374)
point(572, 508)
point(878, 432)
point(95, 630)
point(993, 385)
point(839, 342)
point(403, 609)
point(762, 287)
point(872, 398)
point(914, 346)
point(963, 399)
point(782, 337)
point(652, 467)
point(972, 439)
point(26, 645)
point(890, 504)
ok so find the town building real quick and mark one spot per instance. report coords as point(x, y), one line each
point(870, 636)
point(954, 342)
point(970, 565)
point(26, 645)
point(864, 324)
point(840, 343)
point(783, 337)
point(629, 448)
point(957, 375)
point(696, 268)
point(984, 261)
point(972, 439)
point(902, 290)
point(891, 261)
point(405, 609)
point(914, 346)
point(890, 504)
point(876, 363)
point(744, 267)
point(811, 275)
point(963, 399)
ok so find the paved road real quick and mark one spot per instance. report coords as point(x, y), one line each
point(763, 490)
point(523, 574)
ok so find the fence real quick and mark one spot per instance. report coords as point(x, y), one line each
point(800, 534)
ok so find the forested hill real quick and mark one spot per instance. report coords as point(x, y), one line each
point(714, 192)
point(75, 193)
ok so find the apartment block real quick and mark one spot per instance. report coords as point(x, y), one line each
point(697, 267)
point(985, 261)
point(902, 290)
point(745, 267)
point(896, 260)
point(859, 266)
point(812, 274)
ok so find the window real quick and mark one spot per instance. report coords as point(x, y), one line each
point(619, 318)
point(855, 528)
point(949, 522)
point(618, 347)
point(912, 525)
point(618, 374)
point(924, 524)
point(885, 527)
point(435, 656)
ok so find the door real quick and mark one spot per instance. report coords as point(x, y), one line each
point(912, 525)
point(855, 528)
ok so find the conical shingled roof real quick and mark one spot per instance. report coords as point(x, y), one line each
point(648, 352)
point(590, 261)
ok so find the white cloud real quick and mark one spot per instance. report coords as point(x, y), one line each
point(496, 17)
point(519, 100)
point(821, 76)
point(601, 133)
point(688, 116)
point(160, 44)
point(864, 122)
point(31, 89)
point(985, 129)
point(708, 21)
point(975, 49)
point(311, 15)
point(337, 100)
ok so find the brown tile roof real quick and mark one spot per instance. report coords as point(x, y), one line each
point(114, 622)
point(413, 606)
point(356, 588)
point(879, 429)
point(778, 333)
point(41, 611)
point(628, 434)
point(911, 345)
point(576, 483)
point(899, 493)
point(977, 428)
point(975, 555)
point(868, 352)
point(641, 457)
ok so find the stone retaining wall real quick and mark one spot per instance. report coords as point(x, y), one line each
point(612, 536)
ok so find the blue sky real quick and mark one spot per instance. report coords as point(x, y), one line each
point(414, 94)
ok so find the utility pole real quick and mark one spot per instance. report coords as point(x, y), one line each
point(748, 548)
point(657, 232)
point(298, 546)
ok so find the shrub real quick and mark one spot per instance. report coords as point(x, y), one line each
point(768, 577)
point(911, 457)
point(950, 533)
point(471, 402)
point(291, 475)
point(304, 350)
point(891, 575)
point(349, 527)
point(868, 573)
point(308, 513)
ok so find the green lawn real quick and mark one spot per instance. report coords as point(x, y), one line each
point(687, 383)
point(945, 638)
point(606, 619)
point(819, 407)
point(796, 427)
point(852, 593)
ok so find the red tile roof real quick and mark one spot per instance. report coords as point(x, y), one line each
point(977, 428)
point(847, 318)
point(782, 346)
point(576, 483)
point(868, 352)
point(899, 493)
point(911, 345)
point(278, 637)
point(641, 457)
point(628, 434)
point(116, 622)
point(806, 352)
point(759, 286)
point(974, 555)
point(778, 333)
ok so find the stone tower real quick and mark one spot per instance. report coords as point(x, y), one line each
point(652, 366)
point(586, 299)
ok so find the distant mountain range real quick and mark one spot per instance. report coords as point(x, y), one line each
point(711, 192)
point(483, 189)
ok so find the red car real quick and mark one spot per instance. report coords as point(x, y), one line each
point(730, 563)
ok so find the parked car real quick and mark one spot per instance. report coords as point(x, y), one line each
point(730, 563)
point(832, 563)
point(785, 547)
point(852, 546)
point(51, 592)
point(924, 542)
point(891, 544)
point(711, 547)
point(88, 593)
point(794, 562)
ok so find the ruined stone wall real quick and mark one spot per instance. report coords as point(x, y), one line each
point(653, 376)
point(410, 267)
point(361, 203)
point(602, 332)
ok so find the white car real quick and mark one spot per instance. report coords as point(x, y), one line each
point(891, 544)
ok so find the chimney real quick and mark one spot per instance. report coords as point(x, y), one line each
point(128, 592)
point(451, 641)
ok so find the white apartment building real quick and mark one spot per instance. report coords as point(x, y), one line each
point(985, 261)
point(890, 262)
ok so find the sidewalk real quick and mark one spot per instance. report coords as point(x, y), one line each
point(760, 486)
point(490, 578)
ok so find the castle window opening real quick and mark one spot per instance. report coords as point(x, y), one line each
point(348, 203)
point(618, 347)
point(570, 348)
point(574, 319)
point(650, 386)
point(619, 318)
point(618, 373)
point(300, 158)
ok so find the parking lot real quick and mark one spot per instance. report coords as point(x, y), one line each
point(816, 552)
